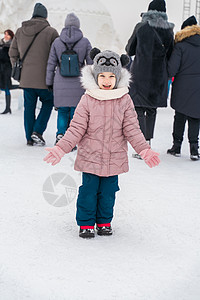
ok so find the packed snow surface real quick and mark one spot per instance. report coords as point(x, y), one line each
point(153, 253)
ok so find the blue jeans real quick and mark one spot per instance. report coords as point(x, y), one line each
point(6, 90)
point(96, 199)
point(31, 122)
point(65, 115)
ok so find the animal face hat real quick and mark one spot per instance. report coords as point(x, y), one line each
point(108, 61)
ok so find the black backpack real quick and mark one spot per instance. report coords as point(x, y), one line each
point(69, 63)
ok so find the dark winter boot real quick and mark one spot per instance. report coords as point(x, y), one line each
point(104, 230)
point(194, 154)
point(7, 109)
point(175, 150)
point(86, 233)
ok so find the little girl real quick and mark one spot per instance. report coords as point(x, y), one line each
point(104, 120)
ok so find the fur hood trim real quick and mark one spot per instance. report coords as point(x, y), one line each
point(92, 89)
point(187, 32)
point(157, 19)
point(88, 81)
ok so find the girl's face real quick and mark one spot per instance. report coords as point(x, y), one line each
point(106, 81)
point(7, 37)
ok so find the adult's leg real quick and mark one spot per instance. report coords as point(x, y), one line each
point(193, 135)
point(72, 110)
point(178, 128)
point(87, 200)
point(141, 118)
point(8, 101)
point(150, 122)
point(30, 101)
point(178, 133)
point(62, 120)
point(106, 199)
point(46, 97)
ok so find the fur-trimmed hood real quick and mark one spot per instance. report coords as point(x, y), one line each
point(157, 19)
point(89, 84)
point(187, 32)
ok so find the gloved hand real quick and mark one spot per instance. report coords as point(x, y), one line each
point(150, 157)
point(50, 88)
point(54, 156)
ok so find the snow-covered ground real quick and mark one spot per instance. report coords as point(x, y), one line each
point(153, 253)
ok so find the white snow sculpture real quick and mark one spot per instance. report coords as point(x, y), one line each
point(96, 22)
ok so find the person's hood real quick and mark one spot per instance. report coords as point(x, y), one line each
point(157, 19)
point(191, 34)
point(71, 35)
point(33, 26)
point(5, 44)
point(92, 89)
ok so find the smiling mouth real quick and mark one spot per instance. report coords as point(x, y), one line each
point(107, 86)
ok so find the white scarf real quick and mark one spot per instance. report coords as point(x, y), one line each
point(107, 94)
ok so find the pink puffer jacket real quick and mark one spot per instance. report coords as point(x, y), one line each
point(101, 129)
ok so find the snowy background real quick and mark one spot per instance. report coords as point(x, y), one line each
point(153, 253)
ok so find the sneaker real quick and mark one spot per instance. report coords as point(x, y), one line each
point(59, 137)
point(136, 155)
point(104, 230)
point(175, 151)
point(87, 233)
point(38, 139)
point(194, 156)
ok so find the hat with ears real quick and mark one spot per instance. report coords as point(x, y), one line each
point(158, 5)
point(72, 20)
point(108, 61)
point(39, 11)
point(189, 22)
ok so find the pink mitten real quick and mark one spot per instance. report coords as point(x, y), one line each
point(150, 157)
point(54, 156)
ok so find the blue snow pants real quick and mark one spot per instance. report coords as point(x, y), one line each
point(31, 123)
point(96, 199)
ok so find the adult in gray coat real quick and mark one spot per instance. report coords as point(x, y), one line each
point(67, 90)
point(184, 66)
point(34, 71)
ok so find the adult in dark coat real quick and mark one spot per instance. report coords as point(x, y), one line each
point(6, 68)
point(152, 44)
point(67, 90)
point(184, 65)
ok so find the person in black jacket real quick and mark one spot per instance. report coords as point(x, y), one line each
point(184, 65)
point(6, 68)
point(151, 43)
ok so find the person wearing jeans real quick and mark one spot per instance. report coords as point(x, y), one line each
point(67, 90)
point(31, 123)
point(65, 115)
point(33, 72)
